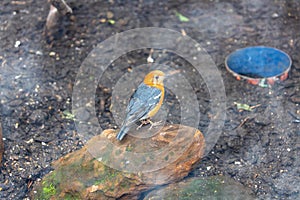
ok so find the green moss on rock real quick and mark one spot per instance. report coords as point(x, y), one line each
point(213, 188)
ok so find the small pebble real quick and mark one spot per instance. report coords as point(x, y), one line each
point(109, 14)
point(150, 59)
point(52, 53)
point(237, 162)
point(29, 141)
point(39, 53)
point(102, 20)
point(275, 15)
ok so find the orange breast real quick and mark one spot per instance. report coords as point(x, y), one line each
point(157, 107)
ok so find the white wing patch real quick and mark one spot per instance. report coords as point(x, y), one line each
point(156, 97)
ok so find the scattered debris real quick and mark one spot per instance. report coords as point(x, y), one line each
point(17, 43)
point(68, 115)
point(242, 106)
point(150, 59)
point(181, 17)
point(296, 119)
point(262, 83)
point(52, 54)
point(18, 2)
point(183, 32)
point(244, 121)
point(111, 21)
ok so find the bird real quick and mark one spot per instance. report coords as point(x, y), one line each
point(145, 102)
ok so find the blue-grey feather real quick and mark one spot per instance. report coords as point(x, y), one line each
point(141, 103)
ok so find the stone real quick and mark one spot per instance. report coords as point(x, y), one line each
point(58, 9)
point(214, 187)
point(99, 171)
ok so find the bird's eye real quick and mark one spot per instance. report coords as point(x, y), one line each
point(156, 77)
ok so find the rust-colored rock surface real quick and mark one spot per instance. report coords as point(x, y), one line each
point(111, 171)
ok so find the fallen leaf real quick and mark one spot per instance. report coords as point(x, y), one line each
point(181, 17)
point(242, 106)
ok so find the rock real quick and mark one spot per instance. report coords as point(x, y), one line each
point(38, 117)
point(61, 6)
point(215, 187)
point(80, 175)
point(58, 9)
point(1, 145)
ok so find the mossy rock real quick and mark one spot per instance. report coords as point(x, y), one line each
point(203, 188)
point(80, 175)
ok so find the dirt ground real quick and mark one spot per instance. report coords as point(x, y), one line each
point(258, 148)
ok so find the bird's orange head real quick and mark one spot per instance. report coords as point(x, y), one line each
point(155, 79)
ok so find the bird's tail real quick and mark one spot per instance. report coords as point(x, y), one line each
point(123, 131)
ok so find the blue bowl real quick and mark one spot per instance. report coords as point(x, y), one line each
point(259, 64)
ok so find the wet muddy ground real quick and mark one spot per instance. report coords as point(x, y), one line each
point(259, 149)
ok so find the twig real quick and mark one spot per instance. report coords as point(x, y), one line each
point(293, 115)
point(18, 2)
point(252, 107)
point(297, 119)
point(243, 122)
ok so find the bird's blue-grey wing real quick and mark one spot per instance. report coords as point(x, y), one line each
point(144, 99)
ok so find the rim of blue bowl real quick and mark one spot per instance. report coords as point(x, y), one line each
point(258, 78)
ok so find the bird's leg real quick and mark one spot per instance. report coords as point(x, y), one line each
point(153, 124)
point(143, 122)
point(148, 121)
point(140, 126)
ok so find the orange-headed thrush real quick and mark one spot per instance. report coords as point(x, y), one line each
point(145, 101)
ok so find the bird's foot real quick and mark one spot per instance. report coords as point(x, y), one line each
point(144, 122)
